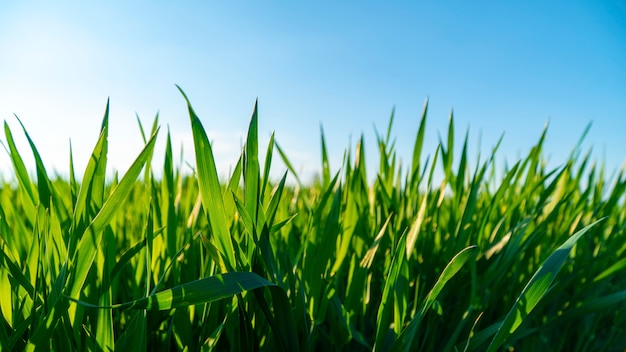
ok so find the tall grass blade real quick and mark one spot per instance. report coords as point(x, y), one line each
point(43, 181)
point(267, 167)
point(419, 143)
point(288, 163)
point(210, 189)
point(251, 170)
point(325, 162)
point(20, 168)
point(89, 243)
point(91, 192)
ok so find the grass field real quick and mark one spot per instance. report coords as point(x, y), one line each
point(494, 257)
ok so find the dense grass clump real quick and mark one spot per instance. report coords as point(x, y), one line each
point(490, 258)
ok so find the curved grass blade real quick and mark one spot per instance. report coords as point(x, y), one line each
point(44, 186)
point(267, 167)
point(357, 285)
point(405, 339)
point(536, 288)
point(216, 288)
point(210, 189)
point(92, 187)
point(617, 267)
point(290, 167)
point(89, 242)
point(20, 168)
point(386, 308)
point(419, 143)
point(251, 170)
point(325, 163)
point(275, 197)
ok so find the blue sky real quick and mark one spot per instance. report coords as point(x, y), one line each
point(503, 67)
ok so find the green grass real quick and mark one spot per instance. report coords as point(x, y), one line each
point(491, 258)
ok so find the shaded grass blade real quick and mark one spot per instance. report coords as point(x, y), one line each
point(536, 288)
point(405, 339)
point(386, 308)
point(215, 288)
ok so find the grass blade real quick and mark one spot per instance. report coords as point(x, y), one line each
point(536, 288)
point(405, 339)
point(89, 243)
point(210, 189)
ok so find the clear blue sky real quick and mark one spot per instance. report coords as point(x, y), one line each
point(502, 66)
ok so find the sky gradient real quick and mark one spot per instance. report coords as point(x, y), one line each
point(501, 67)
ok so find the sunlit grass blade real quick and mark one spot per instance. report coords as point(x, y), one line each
point(4, 327)
point(210, 189)
point(448, 151)
point(74, 187)
point(415, 227)
point(617, 267)
point(348, 262)
point(144, 137)
point(89, 243)
point(325, 162)
point(417, 147)
point(287, 162)
point(91, 190)
point(104, 334)
point(19, 167)
point(267, 166)
point(233, 186)
point(251, 170)
point(275, 199)
point(357, 284)
point(43, 181)
point(168, 194)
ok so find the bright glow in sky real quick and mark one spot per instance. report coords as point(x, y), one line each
point(503, 67)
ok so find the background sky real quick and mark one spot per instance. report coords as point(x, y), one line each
point(502, 67)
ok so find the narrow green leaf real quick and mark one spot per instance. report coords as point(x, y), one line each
point(90, 241)
point(288, 164)
point(385, 310)
point(134, 338)
point(274, 202)
point(325, 162)
point(267, 167)
point(43, 181)
point(405, 339)
point(615, 268)
point(419, 143)
point(210, 289)
point(416, 226)
point(536, 288)
point(91, 181)
point(20, 168)
point(251, 172)
point(210, 189)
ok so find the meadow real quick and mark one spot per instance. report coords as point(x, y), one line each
point(492, 257)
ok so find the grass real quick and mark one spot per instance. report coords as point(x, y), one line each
point(491, 258)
